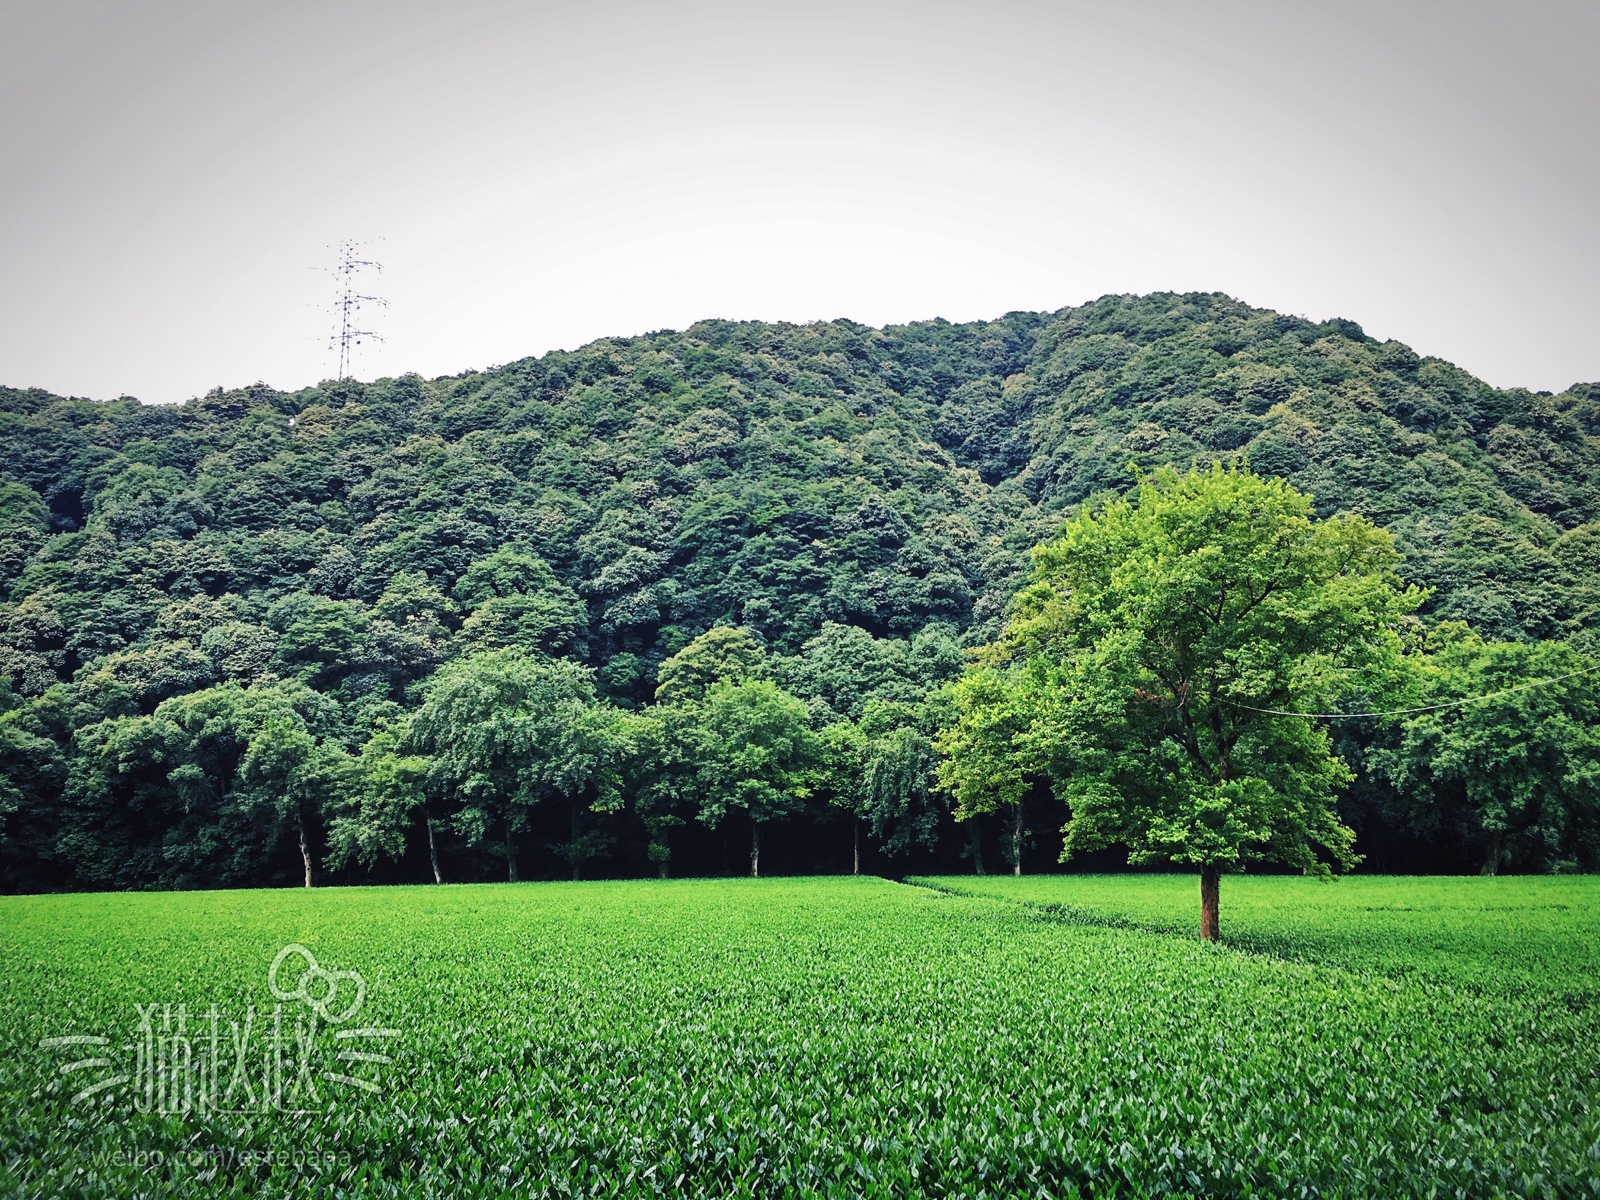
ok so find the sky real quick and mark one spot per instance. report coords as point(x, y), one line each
point(535, 176)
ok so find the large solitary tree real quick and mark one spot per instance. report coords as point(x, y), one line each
point(1162, 657)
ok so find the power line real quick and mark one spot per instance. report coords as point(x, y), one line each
point(1400, 712)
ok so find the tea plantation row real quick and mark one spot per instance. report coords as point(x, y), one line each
point(847, 1037)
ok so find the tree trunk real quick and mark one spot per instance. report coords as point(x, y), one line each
point(1016, 842)
point(1210, 878)
point(511, 855)
point(755, 849)
point(1491, 865)
point(305, 851)
point(855, 829)
point(661, 869)
point(977, 848)
point(576, 816)
point(433, 851)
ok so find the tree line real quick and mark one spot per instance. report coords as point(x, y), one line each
point(1173, 664)
point(246, 633)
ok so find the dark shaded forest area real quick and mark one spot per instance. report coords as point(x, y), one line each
point(266, 635)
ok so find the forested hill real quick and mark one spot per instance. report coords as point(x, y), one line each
point(612, 503)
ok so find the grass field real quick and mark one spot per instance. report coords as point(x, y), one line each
point(1540, 933)
point(846, 1037)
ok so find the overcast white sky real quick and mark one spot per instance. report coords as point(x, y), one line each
point(545, 174)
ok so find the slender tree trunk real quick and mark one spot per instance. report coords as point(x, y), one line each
point(433, 851)
point(977, 848)
point(511, 854)
point(661, 869)
point(1016, 842)
point(855, 829)
point(305, 852)
point(576, 816)
point(755, 849)
point(1491, 865)
point(1210, 879)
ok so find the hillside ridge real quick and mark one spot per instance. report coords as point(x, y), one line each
point(862, 499)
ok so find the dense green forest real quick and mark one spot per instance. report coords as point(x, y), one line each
point(416, 628)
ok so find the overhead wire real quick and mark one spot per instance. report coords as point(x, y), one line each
point(1401, 712)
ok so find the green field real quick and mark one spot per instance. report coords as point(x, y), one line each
point(1056, 1036)
point(1502, 933)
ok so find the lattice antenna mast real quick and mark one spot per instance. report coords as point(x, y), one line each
point(348, 305)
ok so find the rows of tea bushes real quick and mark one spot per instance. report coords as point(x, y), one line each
point(1528, 933)
point(842, 1037)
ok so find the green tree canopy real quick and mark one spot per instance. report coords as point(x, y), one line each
point(660, 773)
point(716, 656)
point(204, 790)
point(897, 788)
point(991, 753)
point(390, 790)
point(1166, 644)
point(861, 501)
point(504, 732)
point(1517, 774)
point(754, 751)
point(514, 599)
point(296, 776)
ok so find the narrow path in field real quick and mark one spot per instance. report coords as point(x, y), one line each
point(1071, 914)
point(1284, 949)
point(1486, 937)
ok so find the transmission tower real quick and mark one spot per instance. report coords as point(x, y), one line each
point(347, 307)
